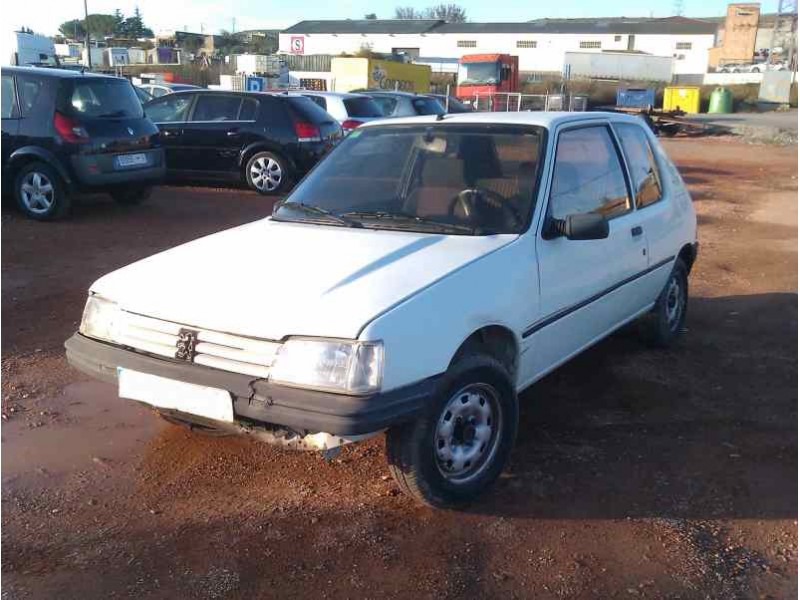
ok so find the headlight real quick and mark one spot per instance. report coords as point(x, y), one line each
point(340, 366)
point(100, 319)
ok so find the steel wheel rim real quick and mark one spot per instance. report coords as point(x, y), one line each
point(467, 433)
point(37, 192)
point(266, 174)
point(674, 303)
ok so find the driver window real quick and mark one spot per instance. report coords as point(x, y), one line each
point(213, 107)
point(588, 176)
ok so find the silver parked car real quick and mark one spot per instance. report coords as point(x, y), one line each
point(351, 110)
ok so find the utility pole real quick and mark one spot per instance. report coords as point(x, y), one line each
point(774, 31)
point(88, 39)
point(233, 24)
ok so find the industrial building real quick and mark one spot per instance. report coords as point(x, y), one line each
point(540, 44)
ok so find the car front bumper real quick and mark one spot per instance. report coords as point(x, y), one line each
point(258, 400)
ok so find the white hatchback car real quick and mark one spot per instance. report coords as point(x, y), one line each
point(351, 110)
point(420, 277)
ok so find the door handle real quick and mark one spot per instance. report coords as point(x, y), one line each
point(169, 133)
point(637, 231)
point(232, 132)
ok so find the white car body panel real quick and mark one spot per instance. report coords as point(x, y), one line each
point(269, 279)
point(422, 294)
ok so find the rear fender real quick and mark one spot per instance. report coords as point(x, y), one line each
point(27, 153)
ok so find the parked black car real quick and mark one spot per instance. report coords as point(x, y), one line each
point(266, 140)
point(405, 104)
point(67, 131)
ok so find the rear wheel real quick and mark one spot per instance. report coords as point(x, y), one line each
point(41, 193)
point(460, 445)
point(131, 196)
point(666, 321)
point(268, 173)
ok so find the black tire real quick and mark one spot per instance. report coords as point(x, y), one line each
point(661, 326)
point(41, 205)
point(412, 449)
point(275, 173)
point(131, 196)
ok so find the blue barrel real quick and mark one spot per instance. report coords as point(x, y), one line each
point(643, 98)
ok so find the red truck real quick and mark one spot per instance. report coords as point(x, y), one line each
point(486, 74)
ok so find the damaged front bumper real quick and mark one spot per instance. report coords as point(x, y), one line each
point(292, 417)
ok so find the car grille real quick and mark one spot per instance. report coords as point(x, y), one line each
point(211, 348)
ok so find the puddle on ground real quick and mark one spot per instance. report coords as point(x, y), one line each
point(94, 428)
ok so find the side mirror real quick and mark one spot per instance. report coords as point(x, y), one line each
point(580, 226)
point(277, 205)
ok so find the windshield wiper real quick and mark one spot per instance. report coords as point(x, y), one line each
point(318, 210)
point(407, 217)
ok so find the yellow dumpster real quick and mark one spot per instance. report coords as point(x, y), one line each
point(685, 98)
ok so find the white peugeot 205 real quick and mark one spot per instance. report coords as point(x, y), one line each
point(420, 277)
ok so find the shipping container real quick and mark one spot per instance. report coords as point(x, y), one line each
point(683, 98)
point(260, 64)
point(617, 66)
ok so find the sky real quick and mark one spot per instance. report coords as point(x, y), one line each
point(44, 16)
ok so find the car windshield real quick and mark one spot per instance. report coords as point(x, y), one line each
point(478, 73)
point(105, 98)
point(443, 178)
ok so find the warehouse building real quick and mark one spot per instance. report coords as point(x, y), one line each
point(540, 44)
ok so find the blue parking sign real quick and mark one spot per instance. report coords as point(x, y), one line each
point(255, 84)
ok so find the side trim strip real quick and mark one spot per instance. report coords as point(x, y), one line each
point(571, 309)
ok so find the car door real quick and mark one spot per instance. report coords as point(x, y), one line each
point(10, 124)
point(587, 287)
point(169, 114)
point(656, 211)
point(214, 136)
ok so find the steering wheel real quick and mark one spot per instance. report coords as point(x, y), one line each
point(473, 201)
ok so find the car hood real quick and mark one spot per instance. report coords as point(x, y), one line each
point(270, 279)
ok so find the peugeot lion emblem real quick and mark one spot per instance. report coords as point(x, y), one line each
point(185, 346)
point(130, 131)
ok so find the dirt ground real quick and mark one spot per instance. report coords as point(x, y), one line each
point(637, 473)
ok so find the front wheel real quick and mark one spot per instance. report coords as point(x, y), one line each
point(268, 173)
point(452, 453)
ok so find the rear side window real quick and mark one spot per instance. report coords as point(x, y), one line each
point(104, 98)
point(319, 101)
point(641, 163)
point(588, 176)
point(249, 109)
point(213, 107)
point(386, 104)
point(362, 107)
point(169, 109)
point(427, 106)
point(9, 103)
point(30, 93)
point(306, 110)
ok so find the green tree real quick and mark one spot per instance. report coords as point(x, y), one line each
point(99, 25)
point(73, 29)
point(119, 23)
point(370, 16)
point(451, 13)
point(135, 27)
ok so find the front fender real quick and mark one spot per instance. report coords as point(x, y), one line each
point(27, 152)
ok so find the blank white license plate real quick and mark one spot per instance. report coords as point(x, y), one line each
point(161, 392)
point(131, 160)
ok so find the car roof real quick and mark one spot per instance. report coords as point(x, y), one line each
point(393, 93)
point(57, 73)
point(548, 120)
point(330, 94)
